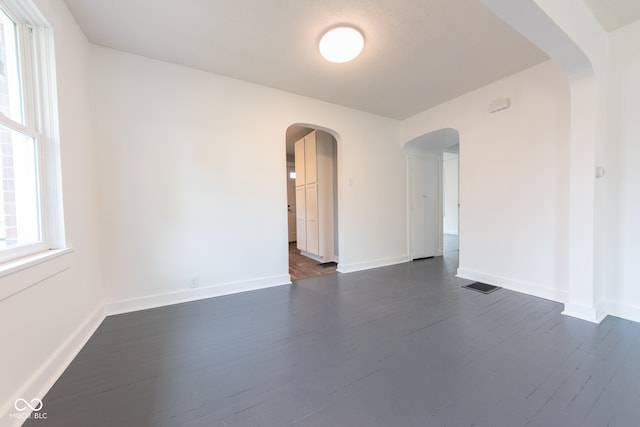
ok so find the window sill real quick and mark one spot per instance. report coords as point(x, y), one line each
point(21, 283)
point(16, 265)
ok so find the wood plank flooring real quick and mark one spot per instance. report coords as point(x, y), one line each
point(403, 345)
point(302, 267)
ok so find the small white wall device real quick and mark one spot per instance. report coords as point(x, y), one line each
point(499, 105)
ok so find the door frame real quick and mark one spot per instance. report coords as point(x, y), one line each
point(457, 154)
point(291, 204)
point(433, 143)
point(292, 134)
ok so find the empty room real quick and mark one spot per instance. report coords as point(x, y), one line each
point(320, 213)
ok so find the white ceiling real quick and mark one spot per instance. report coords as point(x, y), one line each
point(614, 14)
point(418, 53)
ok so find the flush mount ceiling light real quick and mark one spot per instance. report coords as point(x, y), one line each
point(341, 44)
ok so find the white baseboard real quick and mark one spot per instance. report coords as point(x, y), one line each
point(624, 311)
point(536, 290)
point(318, 258)
point(359, 266)
point(159, 300)
point(43, 379)
point(593, 314)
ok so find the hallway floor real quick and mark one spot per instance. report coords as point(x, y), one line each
point(302, 267)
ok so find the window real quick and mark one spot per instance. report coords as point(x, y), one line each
point(29, 174)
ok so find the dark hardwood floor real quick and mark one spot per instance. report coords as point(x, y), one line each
point(302, 267)
point(398, 346)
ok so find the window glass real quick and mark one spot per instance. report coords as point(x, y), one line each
point(10, 82)
point(19, 204)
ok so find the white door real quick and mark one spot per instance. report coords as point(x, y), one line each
point(291, 202)
point(424, 204)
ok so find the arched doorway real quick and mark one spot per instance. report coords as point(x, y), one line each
point(586, 144)
point(312, 202)
point(426, 192)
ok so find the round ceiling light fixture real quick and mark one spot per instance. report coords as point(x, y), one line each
point(341, 44)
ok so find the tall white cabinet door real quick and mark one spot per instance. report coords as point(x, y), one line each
point(299, 152)
point(310, 164)
point(313, 240)
point(301, 223)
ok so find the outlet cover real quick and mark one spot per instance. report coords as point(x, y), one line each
point(194, 282)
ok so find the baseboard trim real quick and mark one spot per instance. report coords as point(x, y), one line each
point(360, 266)
point(528, 288)
point(624, 311)
point(169, 298)
point(593, 314)
point(45, 377)
point(320, 259)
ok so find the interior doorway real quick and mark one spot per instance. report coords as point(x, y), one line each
point(433, 196)
point(451, 202)
point(312, 202)
point(291, 201)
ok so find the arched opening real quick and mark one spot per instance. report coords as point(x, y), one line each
point(312, 202)
point(528, 18)
point(433, 201)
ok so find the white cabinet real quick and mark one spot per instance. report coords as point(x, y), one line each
point(299, 163)
point(315, 156)
point(301, 224)
point(312, 217)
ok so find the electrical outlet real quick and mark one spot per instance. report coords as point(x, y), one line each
point(194, 282)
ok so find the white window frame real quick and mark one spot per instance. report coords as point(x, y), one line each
point(36, 51)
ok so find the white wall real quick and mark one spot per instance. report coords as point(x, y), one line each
point(622, 292)
point(44, 326)
point(513, 179)
point(450, 192)
point(613, 89)
point(192, 184)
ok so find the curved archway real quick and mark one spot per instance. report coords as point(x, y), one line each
point(426, 196)
point(311, 127)
point(435, 141)
point(529, 18)
point(312, 204)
